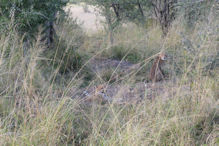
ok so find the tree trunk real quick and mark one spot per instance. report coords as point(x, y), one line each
point(116, 8)
point(140, 9)
point(111, 37)
point(164, 13)
point(110, 27)
point(49, 32)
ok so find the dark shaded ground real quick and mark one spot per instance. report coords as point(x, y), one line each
point(128, 92)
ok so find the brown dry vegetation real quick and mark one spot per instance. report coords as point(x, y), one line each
point(43, 103)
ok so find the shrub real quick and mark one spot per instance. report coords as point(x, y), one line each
point(66, 56)
point(125, 53)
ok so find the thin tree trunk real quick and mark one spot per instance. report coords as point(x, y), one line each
point(111, 37)
point(49, 32)
point(110, 28)
point(116, 8)
point(163, 13)
point(140, 9)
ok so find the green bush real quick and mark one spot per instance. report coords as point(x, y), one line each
point(26, 16)
point(63, 59)
point(128, 54)
point(65, 55)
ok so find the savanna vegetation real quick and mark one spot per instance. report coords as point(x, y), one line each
point(60, 85)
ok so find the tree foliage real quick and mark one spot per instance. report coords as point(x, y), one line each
point(194, 10)
point(26, 15)
point(138, 11)
point(118, 11)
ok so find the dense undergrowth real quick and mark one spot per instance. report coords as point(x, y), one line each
point(36, 107)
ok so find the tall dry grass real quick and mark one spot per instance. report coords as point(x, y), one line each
point(36, 109)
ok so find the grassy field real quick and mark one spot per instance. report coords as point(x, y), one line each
point(38, 86)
